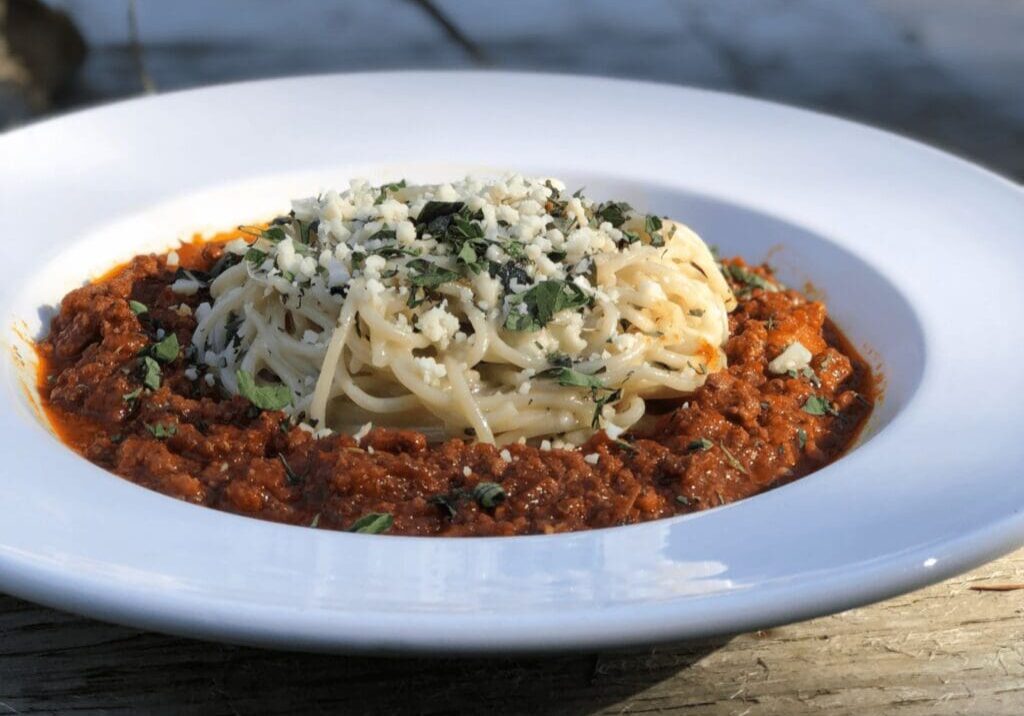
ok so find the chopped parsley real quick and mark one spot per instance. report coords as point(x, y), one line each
point(374, 523)
point(433, 210)
point(150, 373)
point(160, 431)
point(652, 225)
point(129, 397)
point(701, 444)
point(732, 460)
point(424, 277)
point(507, 273)
point(265, 397)
point(290, 476)
point(138, 308)
point(806, 372)
point(816, 405)
point(559, 360)
point(393, 252)
point(255, 256)
point(166, 350)
point(600, 402)
point(469, 257)
point(304, 231)
point(628, 237)
point(748, 279)
point(382, 235)
point(386, 189)
point(429, 275)
point(567, 377)
point(614, 212)
point(489, 494)
point(533, 309)
point(801, 438)
point(274, 233)
point(514, 249)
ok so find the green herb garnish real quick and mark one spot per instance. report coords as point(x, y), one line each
point(264, 397)
point(628, 237)
point(137, 307)
point(614, 212)
point(385, 189)
point(160, 432)
point(652, 225)
point(816, 405)
point(290, 477)
point(373, 524)
point(469, 258)
point(559, 360)
point(572, 378)
point(429, 275)
point(166, 350)
point(732, 459)
point(255, 256)
point(129, 397)
point(436, 209)
point(514, 249)
point(701, 444)
point(426, 276)
point(393, 252)
point(801, 438)
point(489, 494)
point(304, 231)
point(599, 403)
point(533, 309)
point(808, 373)
point(749, 279)
point(150, 373)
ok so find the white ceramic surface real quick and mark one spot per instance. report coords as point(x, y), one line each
point(917, 253)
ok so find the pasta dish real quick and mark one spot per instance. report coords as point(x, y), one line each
point(490, 356)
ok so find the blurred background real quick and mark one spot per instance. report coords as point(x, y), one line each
point(950, 72)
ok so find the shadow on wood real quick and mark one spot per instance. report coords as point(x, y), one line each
point(49, 660)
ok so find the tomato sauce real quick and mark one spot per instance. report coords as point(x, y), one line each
point(745, 431)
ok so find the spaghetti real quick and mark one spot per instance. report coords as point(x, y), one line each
point(502, 309)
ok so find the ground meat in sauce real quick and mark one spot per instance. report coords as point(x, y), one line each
point(745, 431)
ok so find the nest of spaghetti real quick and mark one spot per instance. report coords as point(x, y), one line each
point(506, 310)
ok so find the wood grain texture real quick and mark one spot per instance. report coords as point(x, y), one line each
point(948, 649)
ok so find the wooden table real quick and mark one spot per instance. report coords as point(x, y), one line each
point(947, 649)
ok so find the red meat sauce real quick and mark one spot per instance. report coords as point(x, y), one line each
point(745, 431)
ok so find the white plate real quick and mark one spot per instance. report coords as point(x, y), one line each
point(918, 254)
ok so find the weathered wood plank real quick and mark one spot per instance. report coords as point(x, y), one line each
point(943, 650)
